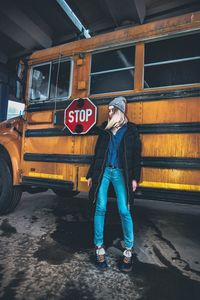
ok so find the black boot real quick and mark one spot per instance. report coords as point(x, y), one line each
point(100, 257)
point(127, 261)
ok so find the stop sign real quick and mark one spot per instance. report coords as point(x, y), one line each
point(80, 116)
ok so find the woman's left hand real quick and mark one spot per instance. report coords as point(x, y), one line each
point(134, 185)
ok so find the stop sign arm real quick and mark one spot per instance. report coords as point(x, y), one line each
point(80, 116)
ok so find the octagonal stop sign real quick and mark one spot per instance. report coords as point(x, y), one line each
point(80, 116)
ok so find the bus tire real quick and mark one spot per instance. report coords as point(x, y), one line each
point(65, 194)
point(9, 195)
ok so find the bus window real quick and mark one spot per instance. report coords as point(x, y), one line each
point(172, 62)
point(112, 71)
point(61, 89)
point(40, 82)
point(50, 81)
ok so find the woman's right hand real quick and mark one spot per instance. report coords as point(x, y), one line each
point(89, 182)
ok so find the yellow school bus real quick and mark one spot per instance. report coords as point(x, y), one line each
point(156, 66)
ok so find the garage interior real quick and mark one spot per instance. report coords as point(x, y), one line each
point(46, 246)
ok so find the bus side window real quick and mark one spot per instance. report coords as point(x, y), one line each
point(40, 82)
point(112, 71)
point(60, 82)
point(174, 61)
point(50, 81)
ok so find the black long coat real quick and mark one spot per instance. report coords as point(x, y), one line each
point(130, 147)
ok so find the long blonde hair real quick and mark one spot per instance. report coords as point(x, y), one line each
point(118, 120)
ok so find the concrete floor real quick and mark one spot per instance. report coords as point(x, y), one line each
point(46, 251)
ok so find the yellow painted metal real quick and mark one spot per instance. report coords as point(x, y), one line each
point(83, 179)
point(171, 145)
point(11, 141)
point(166, 185)
point(40, 117)
point(45, 175)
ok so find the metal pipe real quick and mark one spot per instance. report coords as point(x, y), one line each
point(74, 18)
point(172, 61)
point(112, 71)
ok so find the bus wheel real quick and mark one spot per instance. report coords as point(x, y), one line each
point(9, 195)
point(65, 194)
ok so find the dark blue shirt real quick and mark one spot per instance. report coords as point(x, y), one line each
point(114, 158)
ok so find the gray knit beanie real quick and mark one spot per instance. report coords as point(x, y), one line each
point(119, 102)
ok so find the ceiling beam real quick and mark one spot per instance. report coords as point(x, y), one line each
point(181, 10)
point(27, 25)
point(74, 18)
point(165, 6)
point(140, 8)
point(16, 34)
point(109, 7)
point(132, 11)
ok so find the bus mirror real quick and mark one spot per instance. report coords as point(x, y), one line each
point(20, 82)
point(18, 90)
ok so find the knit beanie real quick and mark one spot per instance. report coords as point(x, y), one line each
point(119, 102)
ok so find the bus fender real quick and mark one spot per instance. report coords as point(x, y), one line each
point(11, 149)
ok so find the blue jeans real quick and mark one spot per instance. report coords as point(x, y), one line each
point(116, 177)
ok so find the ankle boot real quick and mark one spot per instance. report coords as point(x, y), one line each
point(100, 257)
point(127, 261)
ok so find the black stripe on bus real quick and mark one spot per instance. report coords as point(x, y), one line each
point(150, 162)
point(49, 183)
point(169, 195)
point(184, 127)
point(58, 158)
point(171, 162)
point(193, 127)
point(139, 97)
point(48, 132)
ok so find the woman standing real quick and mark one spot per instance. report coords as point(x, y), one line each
point(116, 161)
